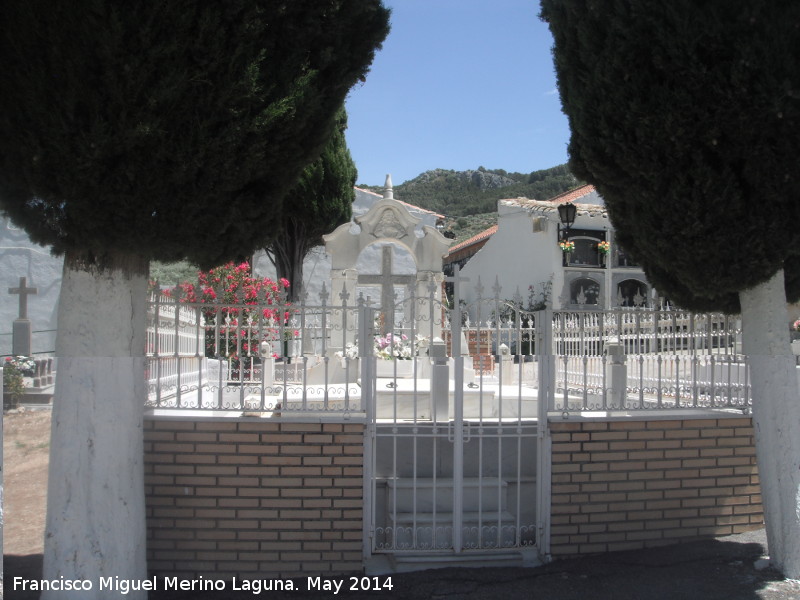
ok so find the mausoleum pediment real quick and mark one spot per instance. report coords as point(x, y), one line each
point(387, 221)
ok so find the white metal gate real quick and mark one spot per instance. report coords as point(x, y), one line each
point(454, 437)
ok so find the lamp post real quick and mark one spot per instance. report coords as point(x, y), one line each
point(566, 213)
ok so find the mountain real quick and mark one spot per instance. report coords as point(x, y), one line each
point(469, 198)
point(463, 193)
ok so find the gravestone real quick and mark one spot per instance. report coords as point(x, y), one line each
point(388, 222)
point(21, 332)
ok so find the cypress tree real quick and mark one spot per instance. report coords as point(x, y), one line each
point(141, 130)
point(320, 201)
point(686, 117)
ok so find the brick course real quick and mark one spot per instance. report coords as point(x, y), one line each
point(240, 498)
point(622, 485)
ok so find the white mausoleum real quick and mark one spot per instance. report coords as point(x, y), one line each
point(522, 250)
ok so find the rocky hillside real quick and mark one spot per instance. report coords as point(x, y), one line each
point(480, 179)
point(463, 193)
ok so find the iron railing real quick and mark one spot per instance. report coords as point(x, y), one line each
point(241, 357)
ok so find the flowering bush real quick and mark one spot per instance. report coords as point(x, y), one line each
point(228, 291)
point(567, 245)
point(603, 247)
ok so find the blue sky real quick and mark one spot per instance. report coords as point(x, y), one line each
point(458, 84)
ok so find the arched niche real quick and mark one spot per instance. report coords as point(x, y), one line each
point(585, 291)
point(632, 293)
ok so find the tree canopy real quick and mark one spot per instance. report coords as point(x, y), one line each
point(686, 117)
point(320, 201)
point(170, 130)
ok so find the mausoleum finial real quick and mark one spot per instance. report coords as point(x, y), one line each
point(387, 187)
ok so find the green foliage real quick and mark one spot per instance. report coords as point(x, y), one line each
point(320, 201)
point(685, 115)
point(13, 384)
point(170, 130)
point(473, 225)
point(461, 193)
point(171, 274)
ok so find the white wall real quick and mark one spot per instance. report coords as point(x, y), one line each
point(515, 257)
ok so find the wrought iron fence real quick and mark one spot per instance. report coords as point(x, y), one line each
point(644, 359)
point(250, 357)
point(304, 358)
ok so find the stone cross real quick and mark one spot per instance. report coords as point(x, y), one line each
point(21, 328)
point(387, 280)
point(22, 291)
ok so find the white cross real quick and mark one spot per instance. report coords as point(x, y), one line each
point(387, 280)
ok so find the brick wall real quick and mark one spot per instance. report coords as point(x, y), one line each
point(623, 485)
point(238, 497)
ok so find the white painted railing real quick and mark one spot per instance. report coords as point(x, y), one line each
point(232, 357)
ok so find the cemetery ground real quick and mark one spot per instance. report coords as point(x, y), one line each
point(724, 568)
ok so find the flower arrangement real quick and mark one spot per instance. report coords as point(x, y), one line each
point(796, 325)
point(603, 247)
point(567, 245)
point(390, 346)
point(25, 365)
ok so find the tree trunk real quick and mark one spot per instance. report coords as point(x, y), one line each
point(289, 252)
point(776, 418)
point(95, 503)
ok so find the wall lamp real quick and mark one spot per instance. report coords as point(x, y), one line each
point(567, 212)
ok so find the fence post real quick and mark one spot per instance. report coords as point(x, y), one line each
point(617, 374)
point(366, 362)
point(366, 359)
point(547, 381)
point(546, 361)
point(267, 364)
point(440, 382)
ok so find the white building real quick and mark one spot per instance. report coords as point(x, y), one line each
point(522, 250)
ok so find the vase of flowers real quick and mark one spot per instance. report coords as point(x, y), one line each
point(395, 351)
point(567, 248)
point(603, 248)
point(796, 337)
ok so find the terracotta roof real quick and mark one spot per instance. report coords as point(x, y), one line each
point(486, 233)
point(572, 195)
point(547, 207)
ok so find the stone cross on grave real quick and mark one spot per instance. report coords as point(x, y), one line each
point(21, 328)
point(387, 280)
